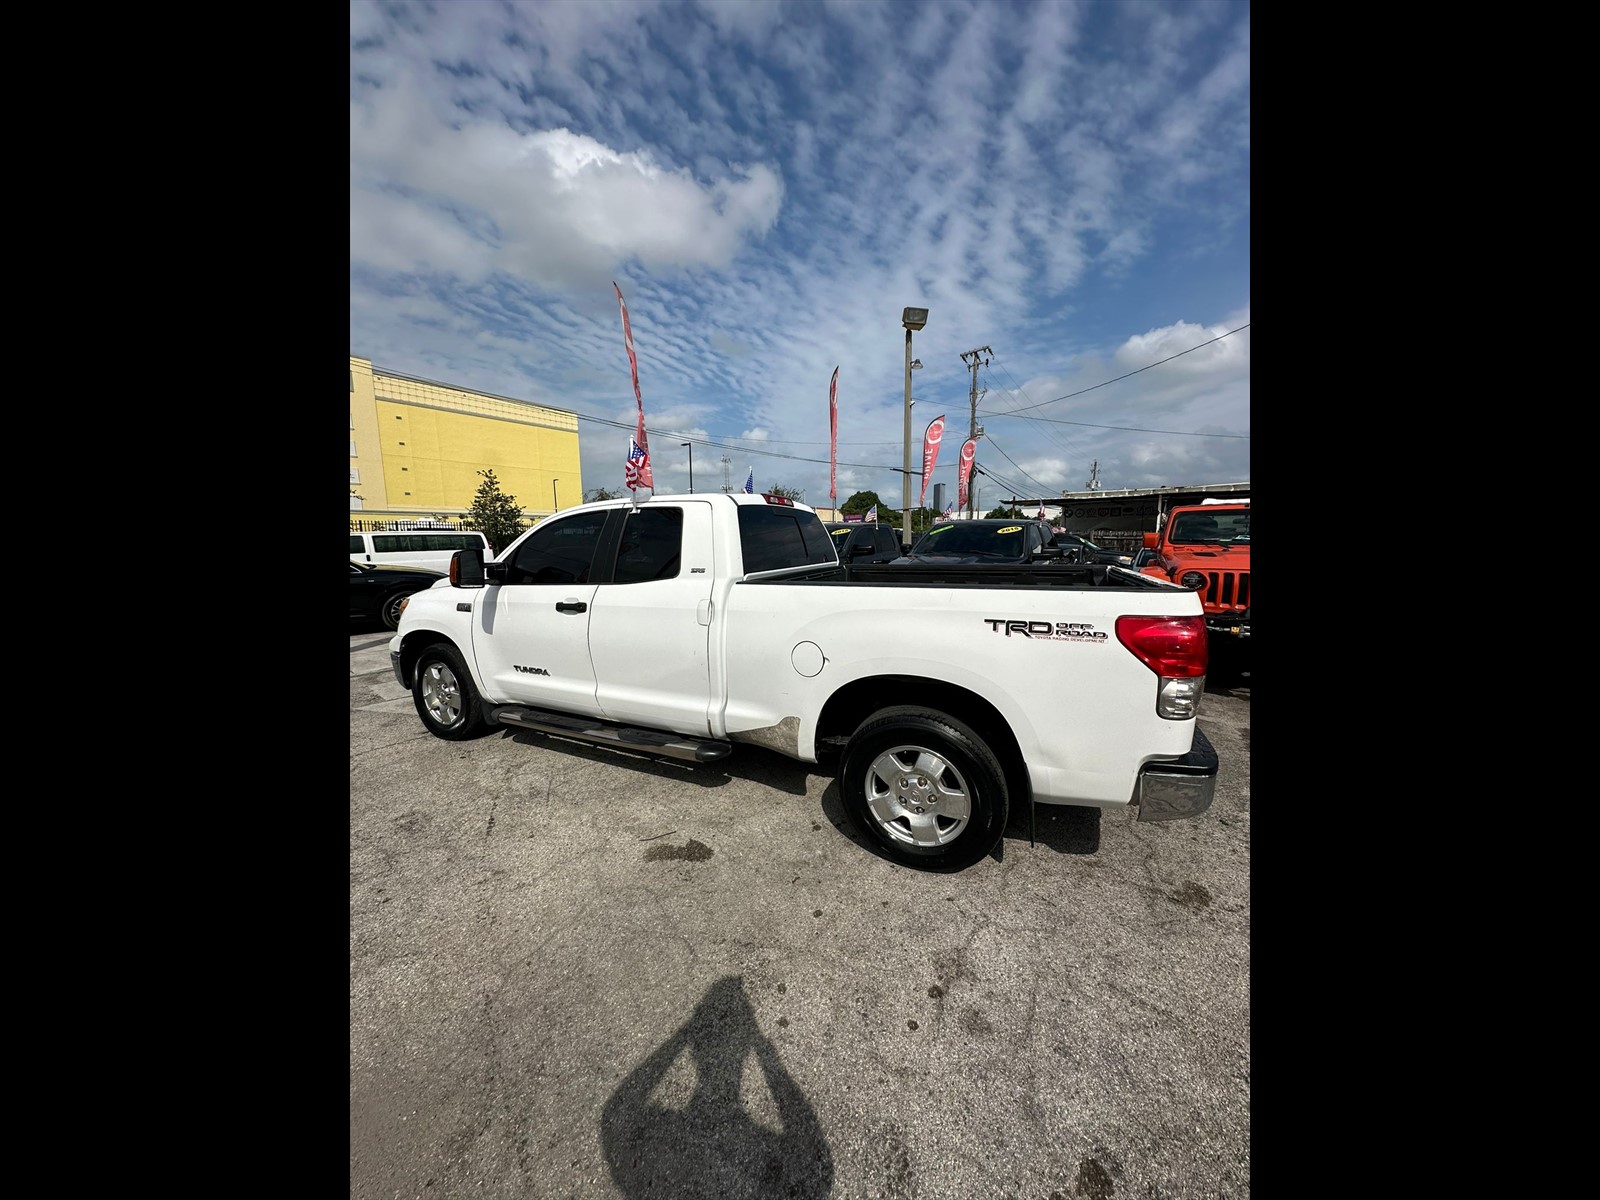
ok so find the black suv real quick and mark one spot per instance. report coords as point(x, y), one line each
point(987, 540)
point(857, 541)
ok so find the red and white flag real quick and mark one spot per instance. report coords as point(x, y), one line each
point(1041, 512)
point(833, 439)
point(641, 468)
point(931, 438)
point(969, 451)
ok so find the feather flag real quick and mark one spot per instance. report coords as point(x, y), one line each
point(872, 514)
point(630, 472)
point(833, 439)
point(750, 481)
point(641, 468)
point(969, 451)
point(930, 453)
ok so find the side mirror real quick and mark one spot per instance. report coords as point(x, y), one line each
point(1151, 539)
point(466, 569)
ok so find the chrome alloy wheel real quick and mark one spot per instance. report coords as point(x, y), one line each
point(917, 796)
point(441, 693)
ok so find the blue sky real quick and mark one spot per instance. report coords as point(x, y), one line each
point(771, 183)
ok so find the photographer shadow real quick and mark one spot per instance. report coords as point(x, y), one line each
point(658, 1145)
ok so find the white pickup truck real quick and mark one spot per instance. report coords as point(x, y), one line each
point(682, 625)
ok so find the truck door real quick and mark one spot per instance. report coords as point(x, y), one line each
point(536, 620)
point(649, 634)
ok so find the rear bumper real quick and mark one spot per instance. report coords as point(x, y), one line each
point(1179, 787)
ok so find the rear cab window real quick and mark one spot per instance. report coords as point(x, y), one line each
point(773, 537)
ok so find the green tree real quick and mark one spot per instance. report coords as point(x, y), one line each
point(859, 503)
point(494, 514)
point(1005, 514)
point(795, 494)
point(601, 493)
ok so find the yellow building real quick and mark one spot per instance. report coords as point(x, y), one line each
point(416, 448)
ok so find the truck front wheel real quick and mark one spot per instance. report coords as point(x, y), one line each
point(446, 700)
point(924, 788)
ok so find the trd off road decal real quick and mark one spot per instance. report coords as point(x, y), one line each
point(1047, 631)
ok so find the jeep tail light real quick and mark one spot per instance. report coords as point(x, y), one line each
point(1175, 648)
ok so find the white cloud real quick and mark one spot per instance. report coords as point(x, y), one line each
point(771, 183)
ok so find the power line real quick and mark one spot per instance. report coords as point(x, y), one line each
point(990, 439)
point(1130, 375)
point(1132, 428)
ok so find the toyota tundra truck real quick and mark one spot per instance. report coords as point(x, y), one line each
point(941, 695)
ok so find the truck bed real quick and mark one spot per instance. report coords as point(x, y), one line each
point(999, 575)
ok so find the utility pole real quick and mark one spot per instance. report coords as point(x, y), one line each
point(987, 353)
point(727, 465)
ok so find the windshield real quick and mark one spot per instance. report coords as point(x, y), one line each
point(1211, 528)
point(981, 541)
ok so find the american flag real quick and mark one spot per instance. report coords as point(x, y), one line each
point(639, 474)
point(750, 481)
point(949, 511)
point(1041, 512)
point(630, 473)
point(872, 514)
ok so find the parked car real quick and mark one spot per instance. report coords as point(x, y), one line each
point(430, 548)
point(989, 540)
point(1081, 549)
point(376, 593)
point(859, 541)
point(1143, 557)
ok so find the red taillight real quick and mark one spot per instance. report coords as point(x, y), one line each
point(1172, 647)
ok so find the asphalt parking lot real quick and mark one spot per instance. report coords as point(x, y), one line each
point(576, 972)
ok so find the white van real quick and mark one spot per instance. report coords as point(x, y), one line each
point(416, 547)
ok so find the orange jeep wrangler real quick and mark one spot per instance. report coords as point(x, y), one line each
point(1206, 547)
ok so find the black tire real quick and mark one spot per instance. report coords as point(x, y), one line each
point(446, 699)
point(389, 610)
point(897, 771)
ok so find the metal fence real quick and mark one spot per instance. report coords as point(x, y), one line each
point(379, 526)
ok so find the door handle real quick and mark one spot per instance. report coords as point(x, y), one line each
point(573, 606)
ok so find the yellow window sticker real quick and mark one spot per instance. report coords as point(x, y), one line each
point(1008, 529)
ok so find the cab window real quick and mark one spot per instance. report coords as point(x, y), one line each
point(652, 541)
point(781, 537)
point(558, 551)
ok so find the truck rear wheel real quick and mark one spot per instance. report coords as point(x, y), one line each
point(445, 697)
point(924, 788)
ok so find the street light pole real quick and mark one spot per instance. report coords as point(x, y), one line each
point(554, 502)
point(911, 318)
point(691, 465)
